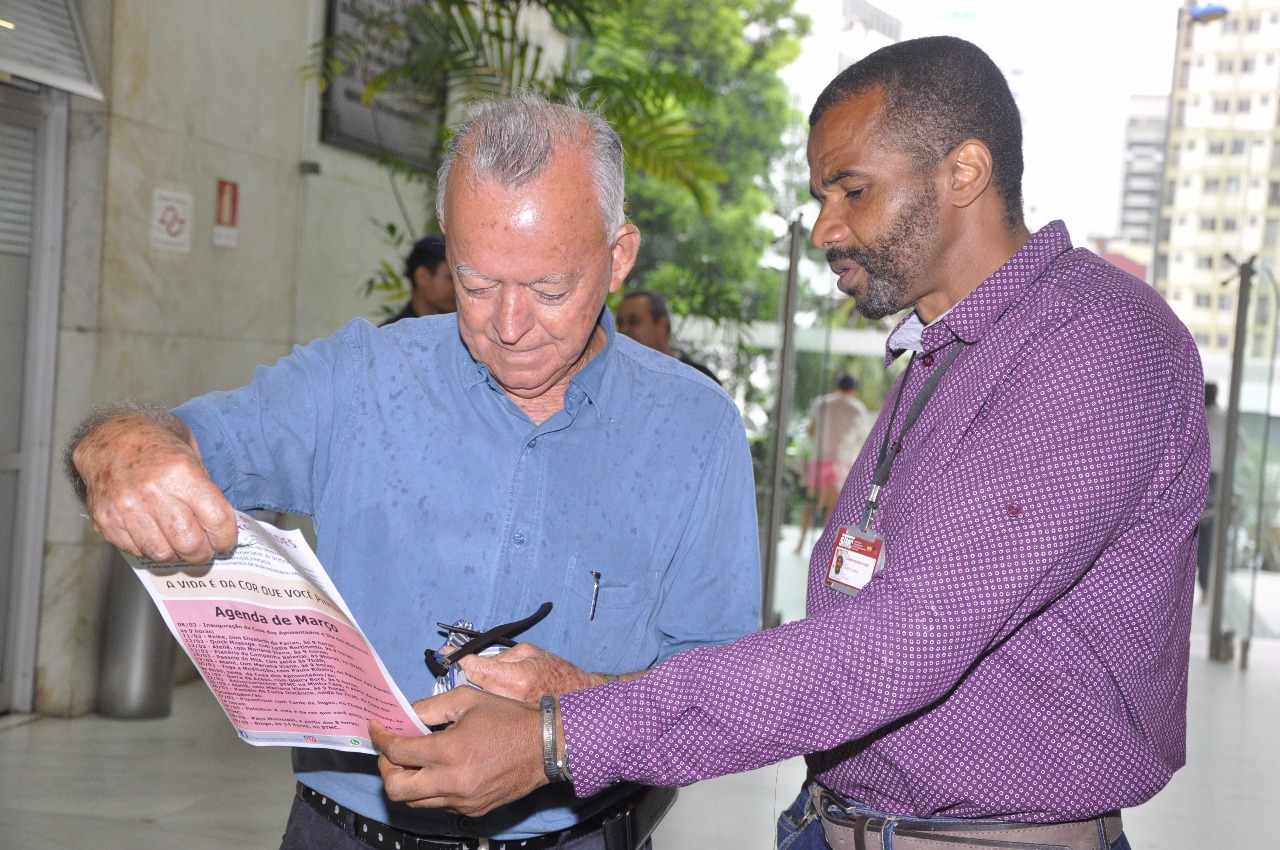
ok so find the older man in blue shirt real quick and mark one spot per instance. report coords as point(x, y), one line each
point(473, 466)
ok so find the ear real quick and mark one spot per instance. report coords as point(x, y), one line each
point(969, 172)
point(626, 245)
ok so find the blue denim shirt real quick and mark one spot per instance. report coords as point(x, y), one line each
point(435, 498)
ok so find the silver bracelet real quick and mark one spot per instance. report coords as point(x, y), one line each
point(551, 766)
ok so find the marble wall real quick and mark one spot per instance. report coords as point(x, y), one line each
point(197, 92)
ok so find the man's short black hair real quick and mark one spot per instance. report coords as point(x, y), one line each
point(938, 92)
point(846, 382)
point(658, 309)
point(427, 251)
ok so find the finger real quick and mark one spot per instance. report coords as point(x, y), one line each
point(216, 517)
point(506, 679)
point(445, 708)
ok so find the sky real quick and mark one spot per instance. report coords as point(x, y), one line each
point(1072, 68)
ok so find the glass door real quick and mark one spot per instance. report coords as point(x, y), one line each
point(827, 362)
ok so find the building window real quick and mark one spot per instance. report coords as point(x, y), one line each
point(1221, 105)
point(1262, 311)
point(1243, 104)
point(1273, 194)
point(1233, 185)
point(1224, 302)
point(1208, 223)
point(1203, 299)
point(1271, 233)
point(1229, 225)
point(1253, 25)
point(1230, 25)
point(1175, 295)
point(1246, 65)
point(1225, 66)
point(1204, 261)
point(1237, 146)
point(1216, 148)
point(1212, 184)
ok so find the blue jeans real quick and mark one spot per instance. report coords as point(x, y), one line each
point(800, 828)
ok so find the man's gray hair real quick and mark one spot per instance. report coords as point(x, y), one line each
point(515, 137)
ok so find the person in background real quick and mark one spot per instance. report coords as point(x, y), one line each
point(1002, 660)
point(1216, 421)
point(431, 280)
point(472, 466)
point(838, 424)
point(644, 316)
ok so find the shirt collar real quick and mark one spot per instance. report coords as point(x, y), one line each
point(977, 312)
point(584, 386)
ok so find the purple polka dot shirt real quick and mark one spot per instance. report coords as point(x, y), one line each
point(1023, 654)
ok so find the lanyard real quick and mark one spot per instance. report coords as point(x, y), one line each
point(885, 463)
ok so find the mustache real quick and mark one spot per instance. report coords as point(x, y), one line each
point(864, 258)
point(847, 253)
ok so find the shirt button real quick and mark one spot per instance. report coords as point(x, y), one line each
point(533, 442)
point(1013, 508)
point(927, 360)
point(518, 538)
point(897, 446)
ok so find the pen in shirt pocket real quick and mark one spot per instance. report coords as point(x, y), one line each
point(595, 594)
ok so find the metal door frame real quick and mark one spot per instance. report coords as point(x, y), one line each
point(46, 110)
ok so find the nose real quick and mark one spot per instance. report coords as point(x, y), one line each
point(828, 230)
point(513, 318)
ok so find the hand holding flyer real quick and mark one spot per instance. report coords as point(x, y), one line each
point(276, 644)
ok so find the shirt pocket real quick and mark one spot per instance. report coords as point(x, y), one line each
point(610, 614)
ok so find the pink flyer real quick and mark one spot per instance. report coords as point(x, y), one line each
point(277, 645)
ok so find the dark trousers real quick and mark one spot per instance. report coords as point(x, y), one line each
point(307, 830)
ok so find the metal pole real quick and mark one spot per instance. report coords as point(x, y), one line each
point(781, 417)
point(1258, 535)
point(1220, 642)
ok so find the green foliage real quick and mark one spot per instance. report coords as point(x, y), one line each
point(386, 282)
point(706, 254)
point(692, 89)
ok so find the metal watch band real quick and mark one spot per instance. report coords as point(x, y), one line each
point(550, 764)
point(566, 769)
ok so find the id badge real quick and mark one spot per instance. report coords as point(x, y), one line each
point(857, 556)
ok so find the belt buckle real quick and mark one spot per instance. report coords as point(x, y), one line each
point(483, 845)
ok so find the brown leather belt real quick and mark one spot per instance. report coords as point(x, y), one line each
point(853, 831)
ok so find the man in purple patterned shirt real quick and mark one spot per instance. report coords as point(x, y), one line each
point(1013, 667)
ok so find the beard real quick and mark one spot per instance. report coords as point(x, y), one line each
point(897, 259)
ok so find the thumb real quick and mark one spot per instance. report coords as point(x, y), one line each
point(445, 708)
point(500, 677)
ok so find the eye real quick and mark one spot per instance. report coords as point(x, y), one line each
point(854, 194)
point(476, 289)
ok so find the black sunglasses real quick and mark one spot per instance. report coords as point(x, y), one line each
point(439, 664)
